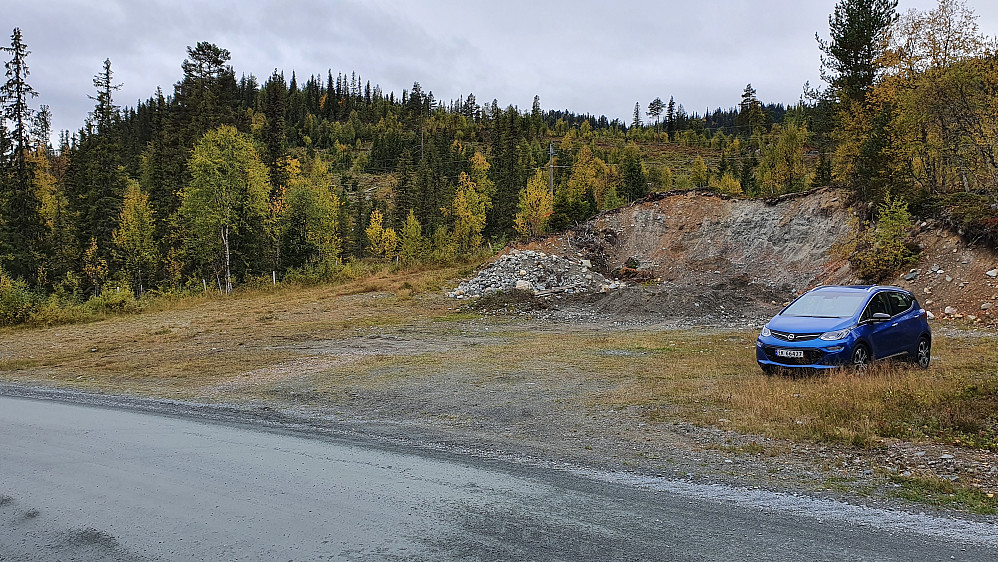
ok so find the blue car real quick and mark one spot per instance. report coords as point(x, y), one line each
point(834, 326)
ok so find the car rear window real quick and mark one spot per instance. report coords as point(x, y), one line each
point(826, 304)
point(900, 302)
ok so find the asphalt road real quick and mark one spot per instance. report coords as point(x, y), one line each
point(85, 482)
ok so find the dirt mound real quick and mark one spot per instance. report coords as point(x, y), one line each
point(539, 273)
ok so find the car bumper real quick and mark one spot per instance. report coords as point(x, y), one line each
point(817, 354)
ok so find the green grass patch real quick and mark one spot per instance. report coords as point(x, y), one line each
point(944, 493)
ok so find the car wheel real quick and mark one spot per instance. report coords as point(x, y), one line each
point(923, 353)
point(860, 357)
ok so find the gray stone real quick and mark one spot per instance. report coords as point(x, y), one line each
point(987, 306)
point(949, 310)
point(993, 273)
point(912, 275)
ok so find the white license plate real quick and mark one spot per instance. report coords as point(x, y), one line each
point(791, 353)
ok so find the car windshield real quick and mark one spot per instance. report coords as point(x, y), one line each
point(824, 304)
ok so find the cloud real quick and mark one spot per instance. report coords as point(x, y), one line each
point(583, 55)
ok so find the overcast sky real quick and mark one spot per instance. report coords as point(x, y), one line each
point(596, 57)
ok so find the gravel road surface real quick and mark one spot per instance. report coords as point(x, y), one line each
point(149, 480)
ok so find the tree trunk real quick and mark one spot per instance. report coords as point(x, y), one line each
point(228, 273)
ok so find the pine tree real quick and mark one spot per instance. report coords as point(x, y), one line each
point(634, 179)
point(670, 118)
point(858, 32)
point(22, 228)
point(105, 114)
point(655, 109)
point(96, 180)
point(636, 119)
point(274, 131)
point(750, 112)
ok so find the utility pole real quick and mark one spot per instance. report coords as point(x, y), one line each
point(551, 167)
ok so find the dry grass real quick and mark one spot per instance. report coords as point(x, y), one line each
point(713, 380)
point(179, 346)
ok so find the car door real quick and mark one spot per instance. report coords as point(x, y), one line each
point(883, 338)
point(905, 323)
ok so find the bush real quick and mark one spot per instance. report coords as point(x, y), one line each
point(972, 213)
point(17, 301)
point(113, 300)
point(328, 272)
point(56, 311)
point(881, 252)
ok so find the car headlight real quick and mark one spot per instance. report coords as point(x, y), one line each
point(837, 334)
point(765, 332)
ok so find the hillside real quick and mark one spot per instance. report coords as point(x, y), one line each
point(712, 257)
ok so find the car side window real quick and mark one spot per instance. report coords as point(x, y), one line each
point(878, 304)
point(900, 302)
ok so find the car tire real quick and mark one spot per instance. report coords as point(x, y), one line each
point(860, 358)
point(923, 353)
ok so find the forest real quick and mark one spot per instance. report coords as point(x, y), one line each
point(228, 182)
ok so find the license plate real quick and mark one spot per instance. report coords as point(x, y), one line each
point(791, 353)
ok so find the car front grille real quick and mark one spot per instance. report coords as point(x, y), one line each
point(789, 336)
point(811, 356)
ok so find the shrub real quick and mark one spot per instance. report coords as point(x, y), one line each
point(973, 213)
point(879, 253)
point(113, 300)
point(55, 311)
point(17, 301)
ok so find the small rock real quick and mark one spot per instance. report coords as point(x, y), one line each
point(993, 273)
point(929, 315)
point(524, 285)
point(927, 291)
point(929, 302)
point(911, 275)
point(949, 310)
point(971, 317)
point(949, 279)
point(986, 306)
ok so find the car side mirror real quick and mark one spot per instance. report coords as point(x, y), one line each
point(881, 317)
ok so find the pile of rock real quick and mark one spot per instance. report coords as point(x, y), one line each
point(541, 274)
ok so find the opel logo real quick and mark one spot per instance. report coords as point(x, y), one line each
point(791, 337)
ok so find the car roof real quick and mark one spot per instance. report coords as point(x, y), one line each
point(859, 288)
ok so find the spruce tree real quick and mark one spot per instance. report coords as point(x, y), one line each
point(22, 227)
point(858, 31)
